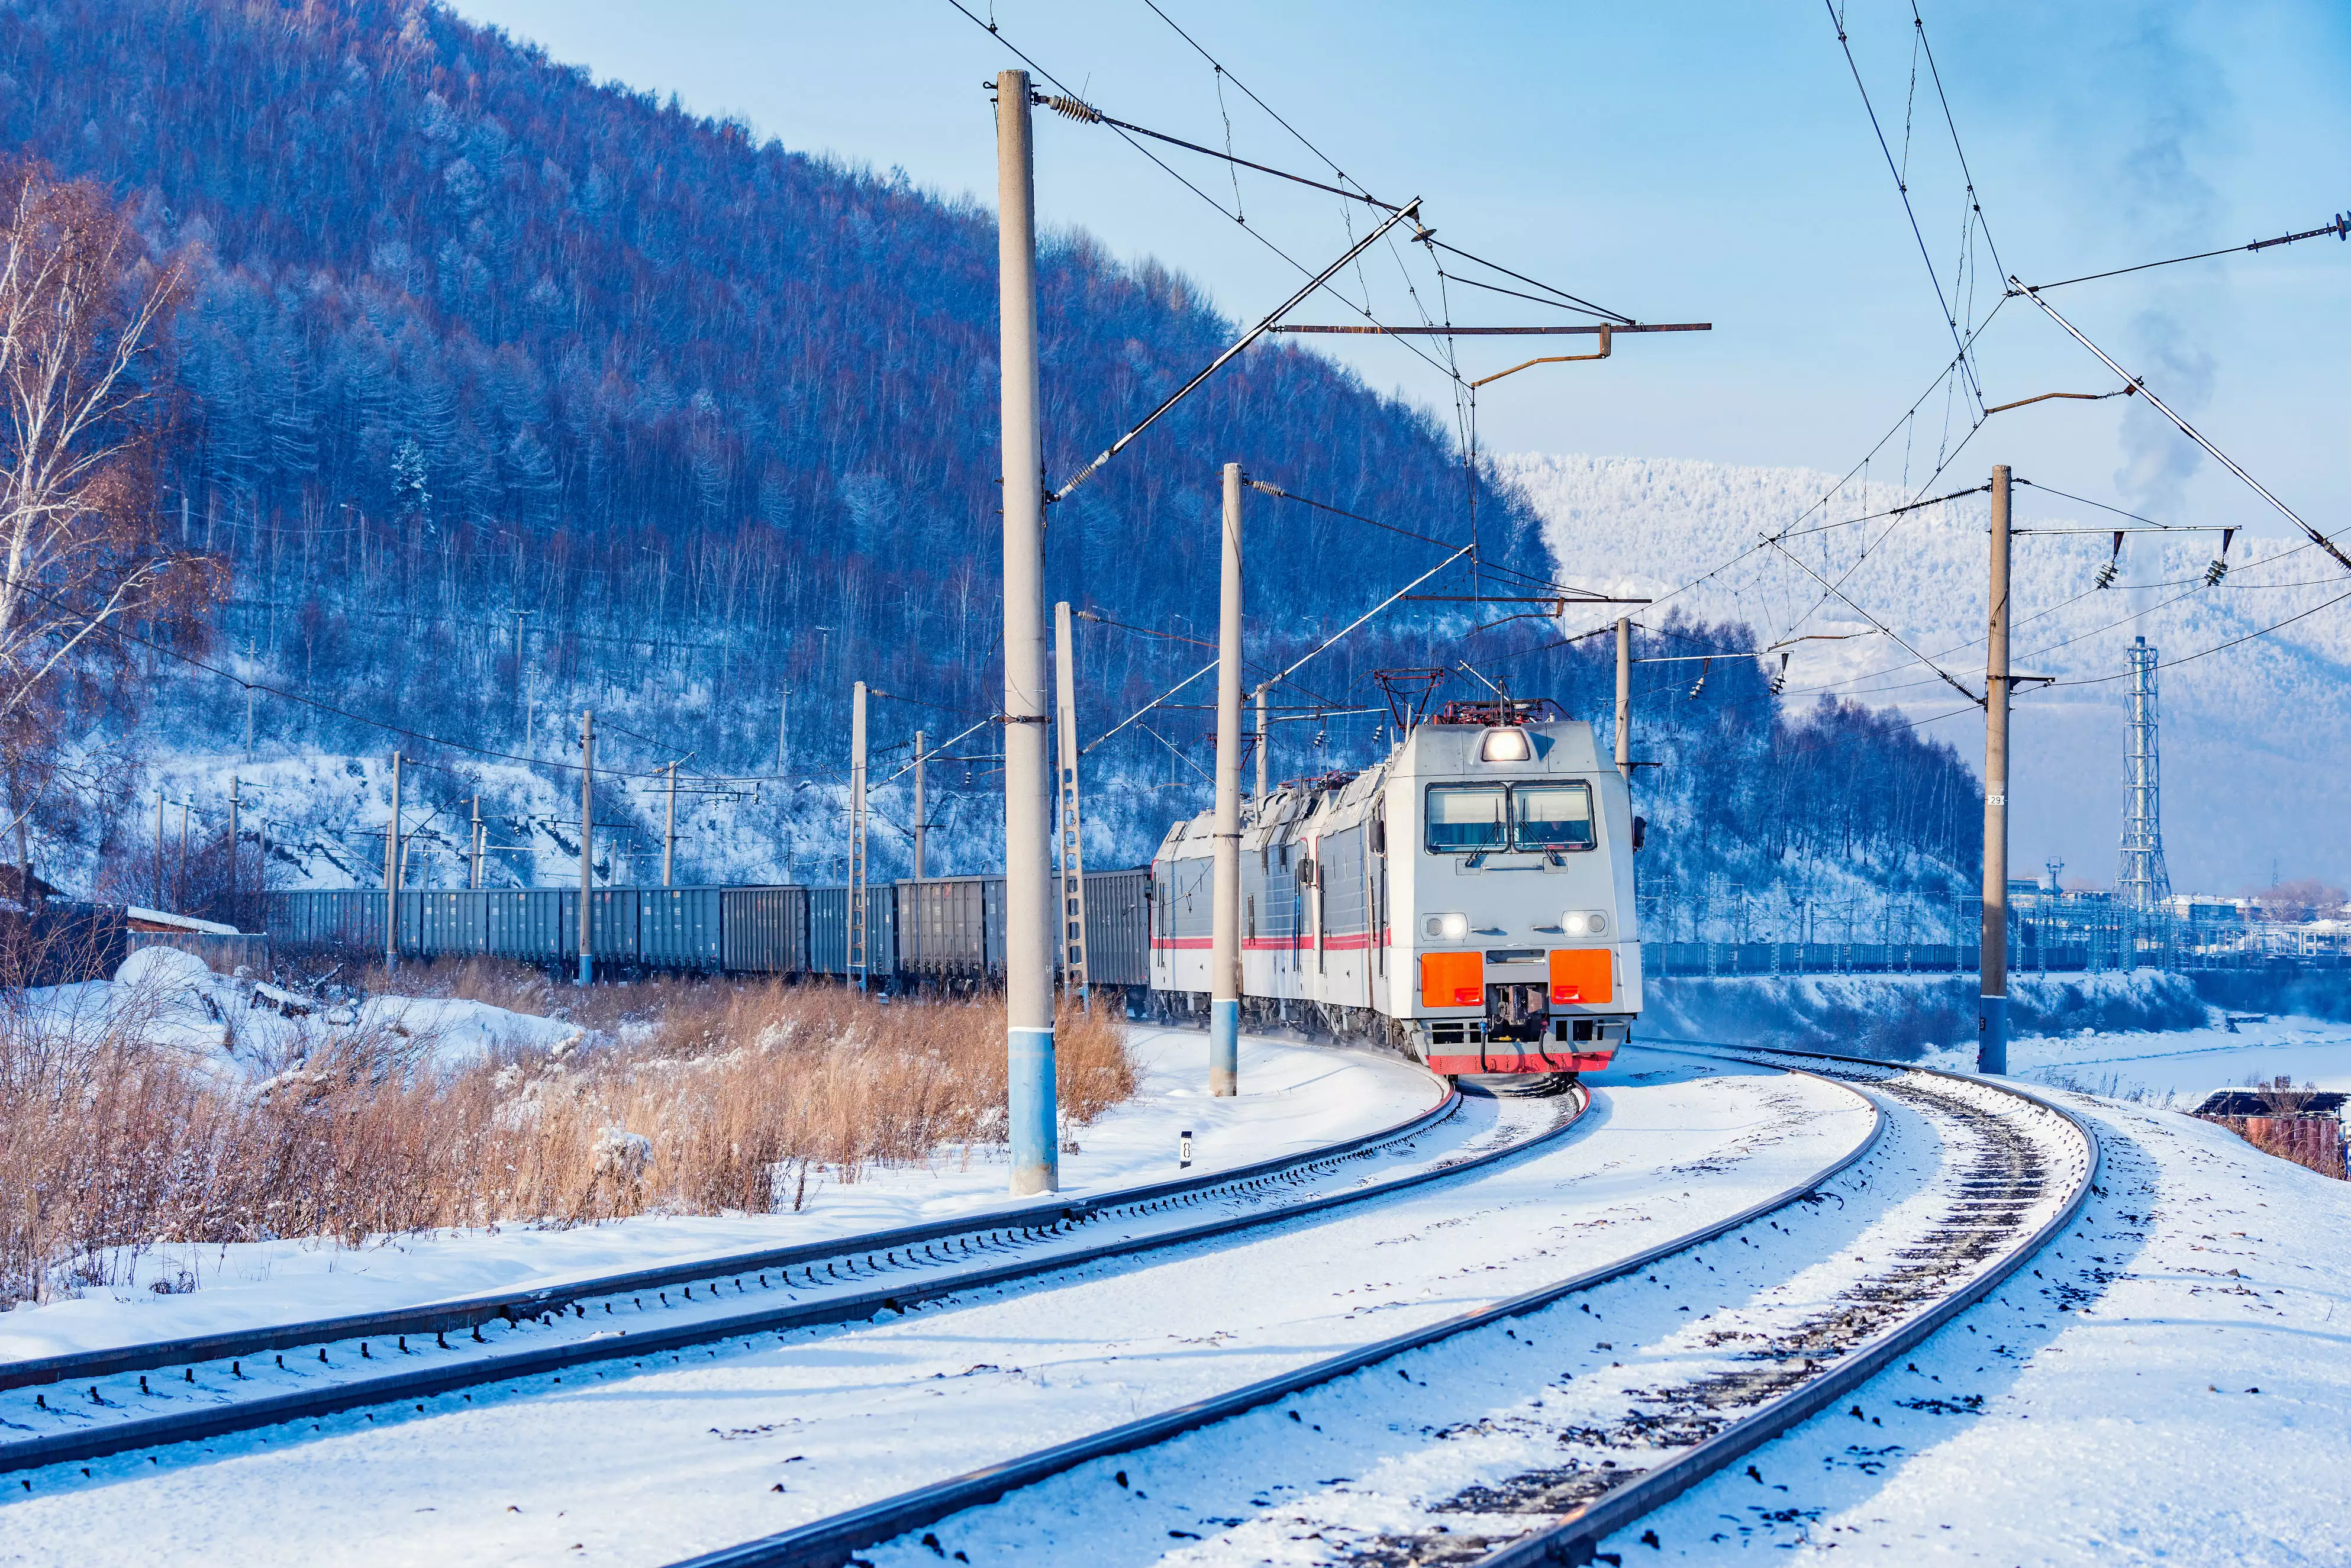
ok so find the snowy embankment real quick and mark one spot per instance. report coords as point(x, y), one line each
point(227, 1025)
point(2143, 1035)
point(1293, 1099)
point(1899, 1017)
point(2170, 1381)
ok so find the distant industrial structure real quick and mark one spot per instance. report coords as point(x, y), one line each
point(2142, 884)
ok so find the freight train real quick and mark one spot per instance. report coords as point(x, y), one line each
point(1468, 901)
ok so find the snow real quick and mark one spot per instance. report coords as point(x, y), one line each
point(2194, 1406)
point(1294, 1098)
point(236, 1027)
point(180, 922)
point(647, 1464)
point(2181, 1066)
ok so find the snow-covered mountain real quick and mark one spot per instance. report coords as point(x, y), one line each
point(2253, 735)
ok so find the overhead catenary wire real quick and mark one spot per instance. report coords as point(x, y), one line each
point(1903, 186)
point(1565, 300)
point(1408, 210)
point(996, 33)
point(2340, 228)
point(2190, 431)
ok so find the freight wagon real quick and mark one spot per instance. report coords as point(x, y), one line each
point(940, 929)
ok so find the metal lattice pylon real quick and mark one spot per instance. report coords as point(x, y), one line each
point(2142, 882)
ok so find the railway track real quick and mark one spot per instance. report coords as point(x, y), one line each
point(69, 1408)
point(1455, 1465)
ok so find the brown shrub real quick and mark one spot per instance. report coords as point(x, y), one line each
point(717, 1097)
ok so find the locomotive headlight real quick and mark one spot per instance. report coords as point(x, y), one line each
point(1584, 923)
point(1505, 746)
point(1449, 927)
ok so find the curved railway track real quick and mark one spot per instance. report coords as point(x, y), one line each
point(69, 1408)
point(1571, 1457)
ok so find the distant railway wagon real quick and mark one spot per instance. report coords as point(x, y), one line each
point(1468, 900)
point(941, 929)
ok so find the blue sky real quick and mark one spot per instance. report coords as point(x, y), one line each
point(1676, 163)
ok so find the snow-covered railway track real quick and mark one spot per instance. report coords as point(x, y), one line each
point(66, 1409)
point(1514, 1435)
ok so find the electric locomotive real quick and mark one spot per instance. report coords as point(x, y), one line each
point(1468, 900)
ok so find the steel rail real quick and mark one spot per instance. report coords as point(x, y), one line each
point(513, 1306)
point(399, 1388)
point(832, 1541)
point(1575, 1539)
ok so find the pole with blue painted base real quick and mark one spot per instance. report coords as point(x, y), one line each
point(1224, 927)
point(1029, 944)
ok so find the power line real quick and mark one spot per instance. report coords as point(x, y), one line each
point(1224, 72)
point(2216, 648)
point(2340, 228)
point(996, 33)
point(2186, 429)
point(1903, 186)
point(1935, 74)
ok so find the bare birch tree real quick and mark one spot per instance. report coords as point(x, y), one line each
point(85, 397)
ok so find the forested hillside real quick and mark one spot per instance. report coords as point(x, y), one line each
point(510, 395)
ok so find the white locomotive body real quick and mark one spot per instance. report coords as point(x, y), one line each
point(1469, 899)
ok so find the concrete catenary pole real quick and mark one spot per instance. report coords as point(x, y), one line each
point(922, 805)
point(1225, 929)
point(391, 875)
point(473, 865)
point(163, 900)
point(1028, 876)
point(1264, 744)
point(1624, 698)
point(669, 829)
point(248, 699)
point(783, 731)
point(181, 892)
point(1991, 1049)
point(587, 843)
point(859, 960)
point(233, 803)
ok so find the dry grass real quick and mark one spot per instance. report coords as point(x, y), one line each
point(689, 1098)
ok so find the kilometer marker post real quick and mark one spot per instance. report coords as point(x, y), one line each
point(1225, 940)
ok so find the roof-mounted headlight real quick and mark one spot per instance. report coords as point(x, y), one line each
point(1505, 746)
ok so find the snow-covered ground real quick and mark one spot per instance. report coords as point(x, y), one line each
point(1293, 1098)
point(2170, 1382)
point(644, 1464)
point(2182, 1065)
point(169, 1000)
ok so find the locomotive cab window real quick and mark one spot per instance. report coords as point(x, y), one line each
point(1552, 816)
point(1466, 818)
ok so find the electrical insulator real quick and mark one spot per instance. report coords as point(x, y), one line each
point(1780, 681)
point(2105, 576)
point(2215, 572)
point(1696, 686)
